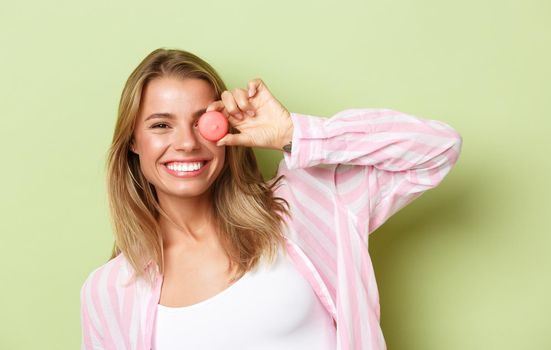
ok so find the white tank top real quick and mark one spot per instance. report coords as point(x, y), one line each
point(271, 308)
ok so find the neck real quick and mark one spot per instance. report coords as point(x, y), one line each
point(193, 221)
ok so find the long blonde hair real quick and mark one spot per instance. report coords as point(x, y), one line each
point(248, 216)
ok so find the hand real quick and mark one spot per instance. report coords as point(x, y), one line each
point(260, 118)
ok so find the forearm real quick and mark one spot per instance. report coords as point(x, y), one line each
point(389, 140)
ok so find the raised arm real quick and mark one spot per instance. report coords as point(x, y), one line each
point(384, 158)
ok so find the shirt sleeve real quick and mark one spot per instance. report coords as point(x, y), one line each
point(383, 158)
point(90, 337)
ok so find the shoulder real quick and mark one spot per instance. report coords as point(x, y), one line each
point(105, 279)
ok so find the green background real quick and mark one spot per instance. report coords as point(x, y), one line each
point(465, 266)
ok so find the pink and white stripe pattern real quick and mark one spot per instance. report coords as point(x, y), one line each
point(346, 175)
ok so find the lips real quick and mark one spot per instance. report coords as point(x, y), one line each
point(191, 160)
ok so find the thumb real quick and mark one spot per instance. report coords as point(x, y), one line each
point(232, 140)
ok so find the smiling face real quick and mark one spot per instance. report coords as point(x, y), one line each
point(174, 157)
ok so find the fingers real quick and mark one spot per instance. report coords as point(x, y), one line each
point(219, 106)
point(215, 106)
point(230, 104)
point(237, 103)
point(254, 86)
point(243, 103)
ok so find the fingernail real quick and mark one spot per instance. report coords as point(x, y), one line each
point(251, 93)
point(251, 113)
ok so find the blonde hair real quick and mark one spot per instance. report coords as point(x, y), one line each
point(248, 216)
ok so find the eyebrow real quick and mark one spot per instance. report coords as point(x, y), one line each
point(196, 114)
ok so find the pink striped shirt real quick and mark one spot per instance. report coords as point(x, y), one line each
point(346, 175)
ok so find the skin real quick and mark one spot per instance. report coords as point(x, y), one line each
point(191, 247)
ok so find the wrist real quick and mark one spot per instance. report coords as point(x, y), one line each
point(285, 143)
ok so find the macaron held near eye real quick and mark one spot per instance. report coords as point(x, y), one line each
point(213, 125)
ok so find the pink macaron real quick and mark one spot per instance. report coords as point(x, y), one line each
point(213, 125)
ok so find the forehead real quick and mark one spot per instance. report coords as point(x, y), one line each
point(175, 95)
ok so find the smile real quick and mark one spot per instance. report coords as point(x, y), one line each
point(179, 169)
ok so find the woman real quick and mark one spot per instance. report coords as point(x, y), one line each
point(208, 255)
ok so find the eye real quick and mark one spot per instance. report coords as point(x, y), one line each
point(156, 125)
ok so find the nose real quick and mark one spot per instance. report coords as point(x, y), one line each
point(186, 138)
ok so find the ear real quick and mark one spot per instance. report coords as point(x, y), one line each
point(132, 146)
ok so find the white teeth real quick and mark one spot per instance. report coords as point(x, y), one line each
point(185, 166)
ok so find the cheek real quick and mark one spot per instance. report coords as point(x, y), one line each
point(152, 145)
